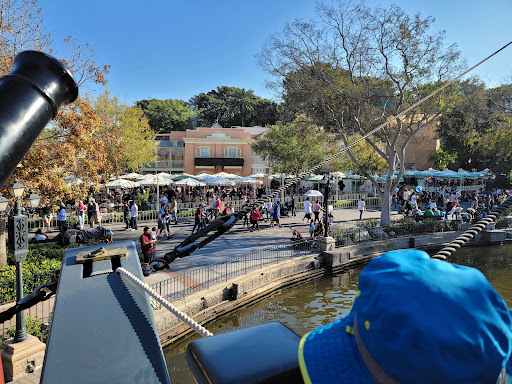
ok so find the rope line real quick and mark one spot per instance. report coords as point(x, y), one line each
point(471, 232)
point(175, 311)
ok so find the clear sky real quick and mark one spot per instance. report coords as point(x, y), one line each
point(175, 49)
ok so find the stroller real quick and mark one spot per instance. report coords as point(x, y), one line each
point(299, 241)
point(285, 209)
point(102, 234)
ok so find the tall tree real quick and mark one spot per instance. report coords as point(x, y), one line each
point(361, 66)
point(293, 147)
point(242, 102)
point(168, 115)
point(128, 138)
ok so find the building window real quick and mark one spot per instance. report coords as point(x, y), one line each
point(204, 152)
point(177, 158)
point(232, 152)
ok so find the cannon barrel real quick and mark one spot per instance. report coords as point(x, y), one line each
point(29, 98)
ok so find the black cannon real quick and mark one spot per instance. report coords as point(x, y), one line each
point(29, 98)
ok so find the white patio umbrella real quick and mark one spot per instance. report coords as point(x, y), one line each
point(219, 181)
point(249, 180)
point(226, 175)
point(189, 182)
point(203, 176)
point(130, 176)
point(121, 183)
point(258, 175)
point(70, 180)
point(313, 192)
point(155, 180)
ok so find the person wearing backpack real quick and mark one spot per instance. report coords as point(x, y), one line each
point(276, 215)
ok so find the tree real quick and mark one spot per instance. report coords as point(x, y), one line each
point(168, 115)
point(230, 106)
point(128, 139)
point(357, 67)
point(293, 147)
point(242, 102)
point(477, 130)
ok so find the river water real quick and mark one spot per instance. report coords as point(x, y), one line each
point(321, 301)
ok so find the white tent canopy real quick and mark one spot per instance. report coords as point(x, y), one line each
point(121, 183)
point(226, 175)
point(155, 180)
point(190, 182)
point(131, 176)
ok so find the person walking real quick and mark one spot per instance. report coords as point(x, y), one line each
point(307, 209)
point(276, 215)
point(134, 213)
point(361, 205)
point(317, 208)
point(255, 216)
point(161, 224)
point(80, 213)
point(268, 208)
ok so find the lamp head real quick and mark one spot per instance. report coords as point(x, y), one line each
point(16, 189)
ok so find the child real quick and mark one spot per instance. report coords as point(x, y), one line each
point(311, 228)
point(153, 233)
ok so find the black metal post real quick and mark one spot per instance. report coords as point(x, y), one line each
point(18, 247)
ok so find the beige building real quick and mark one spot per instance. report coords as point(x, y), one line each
point(209, 150)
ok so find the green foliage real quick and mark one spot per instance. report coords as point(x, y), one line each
point(34, 328)
point(293, 147)
point(169, 115)
point(444, 159)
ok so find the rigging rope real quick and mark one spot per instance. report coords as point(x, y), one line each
point(471, 232)
point(182, 316)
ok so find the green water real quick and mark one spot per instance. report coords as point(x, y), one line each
point(321, 301)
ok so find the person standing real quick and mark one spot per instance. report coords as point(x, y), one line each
point(292, 206)
point(92, 215)
point(80, 212)
point(134, 213)
point(173, 210)
point(61, 216)
point(148, 246)
point(199, 218)
point(47, 217)
point(161, 223)
point(126, 215)
point(361, 205)
point(307, 209)
point(268, 208)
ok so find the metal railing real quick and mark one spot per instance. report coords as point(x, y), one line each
point(178, 287)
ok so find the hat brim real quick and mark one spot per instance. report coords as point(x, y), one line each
point(330, 355)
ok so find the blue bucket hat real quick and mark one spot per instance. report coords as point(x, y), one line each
point(415, 319)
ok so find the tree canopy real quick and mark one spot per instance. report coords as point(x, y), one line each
point(355, 67)
point(168, 115)
point(293, 147)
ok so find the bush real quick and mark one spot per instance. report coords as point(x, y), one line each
point(34, 328)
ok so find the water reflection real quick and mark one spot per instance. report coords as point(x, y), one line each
point(319, 302)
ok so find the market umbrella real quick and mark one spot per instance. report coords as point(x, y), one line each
point(189, 182)
point(313, 192)
point(155, 180)
point(249, 180)
point(258, 175)
point(121, 183)
point(203, 176)
point(131, 176)
point(226, 175)
point(219, 181)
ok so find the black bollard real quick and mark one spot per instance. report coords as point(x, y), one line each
point(29, 98)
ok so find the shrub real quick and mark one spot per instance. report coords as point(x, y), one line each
point(34, 328)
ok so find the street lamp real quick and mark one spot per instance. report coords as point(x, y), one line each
point(18, 246)
point(326, 183)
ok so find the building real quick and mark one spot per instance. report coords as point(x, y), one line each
point(209, 150)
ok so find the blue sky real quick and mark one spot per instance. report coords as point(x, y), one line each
point(176, 49)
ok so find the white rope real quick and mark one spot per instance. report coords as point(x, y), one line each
point(182, 316)
point(104, 272)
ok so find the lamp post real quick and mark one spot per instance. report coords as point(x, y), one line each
point(18, 246)
point(326, 183)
